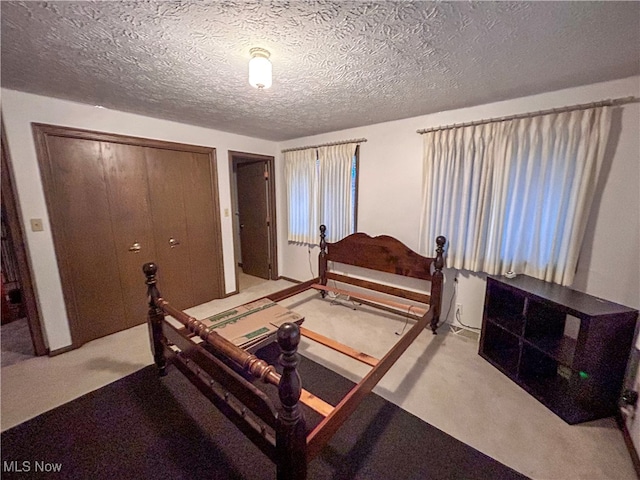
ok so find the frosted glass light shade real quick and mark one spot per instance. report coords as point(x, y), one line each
point(259, 68)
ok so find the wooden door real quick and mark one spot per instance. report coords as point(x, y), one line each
point(79, 206)
point(165, 170)
point(253, 216)
point(181, 192)
point(100, 190)
point(201, 210)
point(125, 172)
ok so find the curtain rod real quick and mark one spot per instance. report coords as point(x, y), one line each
point(355, 140)
point(584, 106)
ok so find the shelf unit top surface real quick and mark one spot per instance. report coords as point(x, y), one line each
point(578, 301)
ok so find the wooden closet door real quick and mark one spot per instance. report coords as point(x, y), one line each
point(201, 215)
point(105, 193)
point(127, 186)
point(80, 210)
point(181, 193)
point(165, 169)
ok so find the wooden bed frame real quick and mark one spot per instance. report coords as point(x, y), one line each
point(226, 374)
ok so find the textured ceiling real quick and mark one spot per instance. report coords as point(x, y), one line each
point(336, 64)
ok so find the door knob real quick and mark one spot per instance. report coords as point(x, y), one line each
point(173, 242)
point(135, 248)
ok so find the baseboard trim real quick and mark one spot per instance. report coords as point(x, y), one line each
point(53, 353)
point(288, 279)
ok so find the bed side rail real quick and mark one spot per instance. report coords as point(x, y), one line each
point(379, 287)
point(317, 439)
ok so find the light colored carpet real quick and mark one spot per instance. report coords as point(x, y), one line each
point(440, 379)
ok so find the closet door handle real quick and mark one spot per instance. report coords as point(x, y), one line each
point(173, 242)
point(135, 248)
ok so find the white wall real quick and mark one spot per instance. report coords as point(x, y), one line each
point(20, 109)
point(390, 190)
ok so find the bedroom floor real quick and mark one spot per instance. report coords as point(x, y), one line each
point(440, 379)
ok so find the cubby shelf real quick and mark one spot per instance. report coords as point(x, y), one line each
point(566, 348)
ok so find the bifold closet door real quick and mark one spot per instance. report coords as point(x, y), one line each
point(125, 171)
point(115, 205)
point(182, 210)
point(80, 207)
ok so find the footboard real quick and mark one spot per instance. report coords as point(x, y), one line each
point(279, 431)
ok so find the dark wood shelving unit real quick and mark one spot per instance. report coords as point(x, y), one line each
point(566, 348)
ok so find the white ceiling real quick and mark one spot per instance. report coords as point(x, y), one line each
point(336, 64)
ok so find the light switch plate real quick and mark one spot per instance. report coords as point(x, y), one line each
point(36, 225)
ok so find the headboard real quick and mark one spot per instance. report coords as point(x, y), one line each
point(384, 254)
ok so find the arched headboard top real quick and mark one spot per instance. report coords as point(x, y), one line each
point(382, 253)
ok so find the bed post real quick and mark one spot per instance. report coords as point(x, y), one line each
point(322, 259)
point(291, 441)
point(155, 317)
point(436, 282)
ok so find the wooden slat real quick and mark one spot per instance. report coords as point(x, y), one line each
point(389, 290)
point(404, 308)
point(339, 347)
point(315, 403)
point(291, 291)
point(410, 314)
point(327, 427)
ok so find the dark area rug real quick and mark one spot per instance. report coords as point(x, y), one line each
point(143, 427)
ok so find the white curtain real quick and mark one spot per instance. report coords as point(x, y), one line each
point(514, 195)
point(337, 199)
point(303, 196)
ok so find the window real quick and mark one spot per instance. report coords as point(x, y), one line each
point(514, 195)
point(321, 189)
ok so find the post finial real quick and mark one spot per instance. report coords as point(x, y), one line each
point(150, 269)
point(288, 337)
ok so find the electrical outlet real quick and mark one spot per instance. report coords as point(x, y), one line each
point(459, 309)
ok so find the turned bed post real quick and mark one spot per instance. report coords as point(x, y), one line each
point(436, 282)
point(322, 259)
point(291, 441)
point(155, 317)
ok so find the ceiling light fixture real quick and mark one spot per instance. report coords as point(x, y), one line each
point(259, 68)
